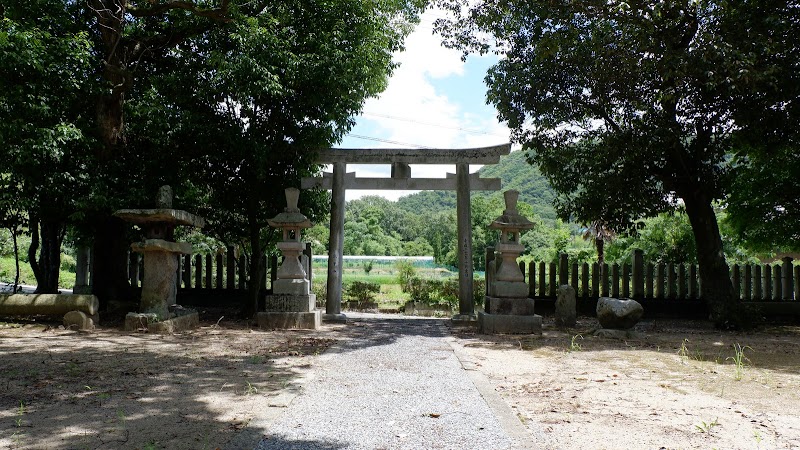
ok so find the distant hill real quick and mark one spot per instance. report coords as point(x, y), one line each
point(428, 201)
point(515, 173)
point(533, 187)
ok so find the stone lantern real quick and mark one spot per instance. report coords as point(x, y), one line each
point(292, 278)
point(157, 310)
point(291, 305)
point(509, 281)
point(507, 307)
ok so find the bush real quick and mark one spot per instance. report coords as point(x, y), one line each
point(68, 263)
point(478, 291)
point(405, 273)
point(438, 292)
point(361, 291)
point(367, 266)
point(321, 291)
point(420, 290)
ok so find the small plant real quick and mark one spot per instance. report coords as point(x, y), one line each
point(739, 360)
point(683, 352)
point(574, 345)
point(251, 390)
point(20, 413)
point(72, 369)
point(121, 416)
point(103, 396)
point(149, 446)
point(707, 427)
point(255, 359)
point(367, 266)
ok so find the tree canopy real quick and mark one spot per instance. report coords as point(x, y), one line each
point(225, 100)
point(632, 108)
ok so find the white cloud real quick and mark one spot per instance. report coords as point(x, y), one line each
point(413, 112)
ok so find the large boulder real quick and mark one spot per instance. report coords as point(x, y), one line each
point(618, 314)
point(566, 311)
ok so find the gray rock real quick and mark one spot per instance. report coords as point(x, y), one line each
point(566, 310)
point(78, 320)
point(618, 314)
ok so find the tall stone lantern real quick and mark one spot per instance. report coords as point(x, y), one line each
point(291, 304)
point(157, 311)
point(507, 307)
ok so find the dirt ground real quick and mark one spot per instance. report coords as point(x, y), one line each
point(677, 386)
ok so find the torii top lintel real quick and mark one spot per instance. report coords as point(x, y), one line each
point(481, 155)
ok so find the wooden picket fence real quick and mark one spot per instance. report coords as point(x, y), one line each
point(669, 287)
point(223, 275)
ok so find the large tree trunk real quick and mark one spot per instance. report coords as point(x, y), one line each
point(601, 255)
point(716, 287)
point(46, 267)
point(110, 262)
point(256, 269)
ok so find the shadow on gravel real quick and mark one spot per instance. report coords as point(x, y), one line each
point(278, 443)
point(365, 330)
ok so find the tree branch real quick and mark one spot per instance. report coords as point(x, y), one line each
point(216, 14)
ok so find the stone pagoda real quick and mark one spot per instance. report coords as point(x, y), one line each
point(157, 309)
point(291, 305)
point(507, 308)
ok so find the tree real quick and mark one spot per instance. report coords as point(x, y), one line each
point(129, 38)
point(12, 217)
point(250, 101)
point(599, 234)
point(45, 73)
point(632, 108)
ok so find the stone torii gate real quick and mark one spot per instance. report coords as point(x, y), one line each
point(462, 182)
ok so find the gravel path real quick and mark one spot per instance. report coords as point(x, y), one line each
point(393, 383)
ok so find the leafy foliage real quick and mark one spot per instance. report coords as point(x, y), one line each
point(45, 83)
point(627, 108)
point(361, 291)
point(763, 207)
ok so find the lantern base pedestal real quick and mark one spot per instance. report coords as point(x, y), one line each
point(290, 320)
point(509, 324)
point(291, 286)
point(513, 289)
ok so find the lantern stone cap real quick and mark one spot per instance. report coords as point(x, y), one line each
point(160, 215)
point(511, 219)
point(291, 217)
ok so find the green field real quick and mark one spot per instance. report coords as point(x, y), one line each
point(7, 272)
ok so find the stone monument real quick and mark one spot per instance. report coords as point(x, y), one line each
point(157, 309)
point(507, 308)
point(291, 304)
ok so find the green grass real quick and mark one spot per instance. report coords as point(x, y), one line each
point(66, 279)
point(739, 360)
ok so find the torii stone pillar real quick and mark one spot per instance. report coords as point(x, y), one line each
point(466, 306)
point(462, 182)
point(333, 304)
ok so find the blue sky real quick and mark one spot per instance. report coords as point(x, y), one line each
point(433, 100)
